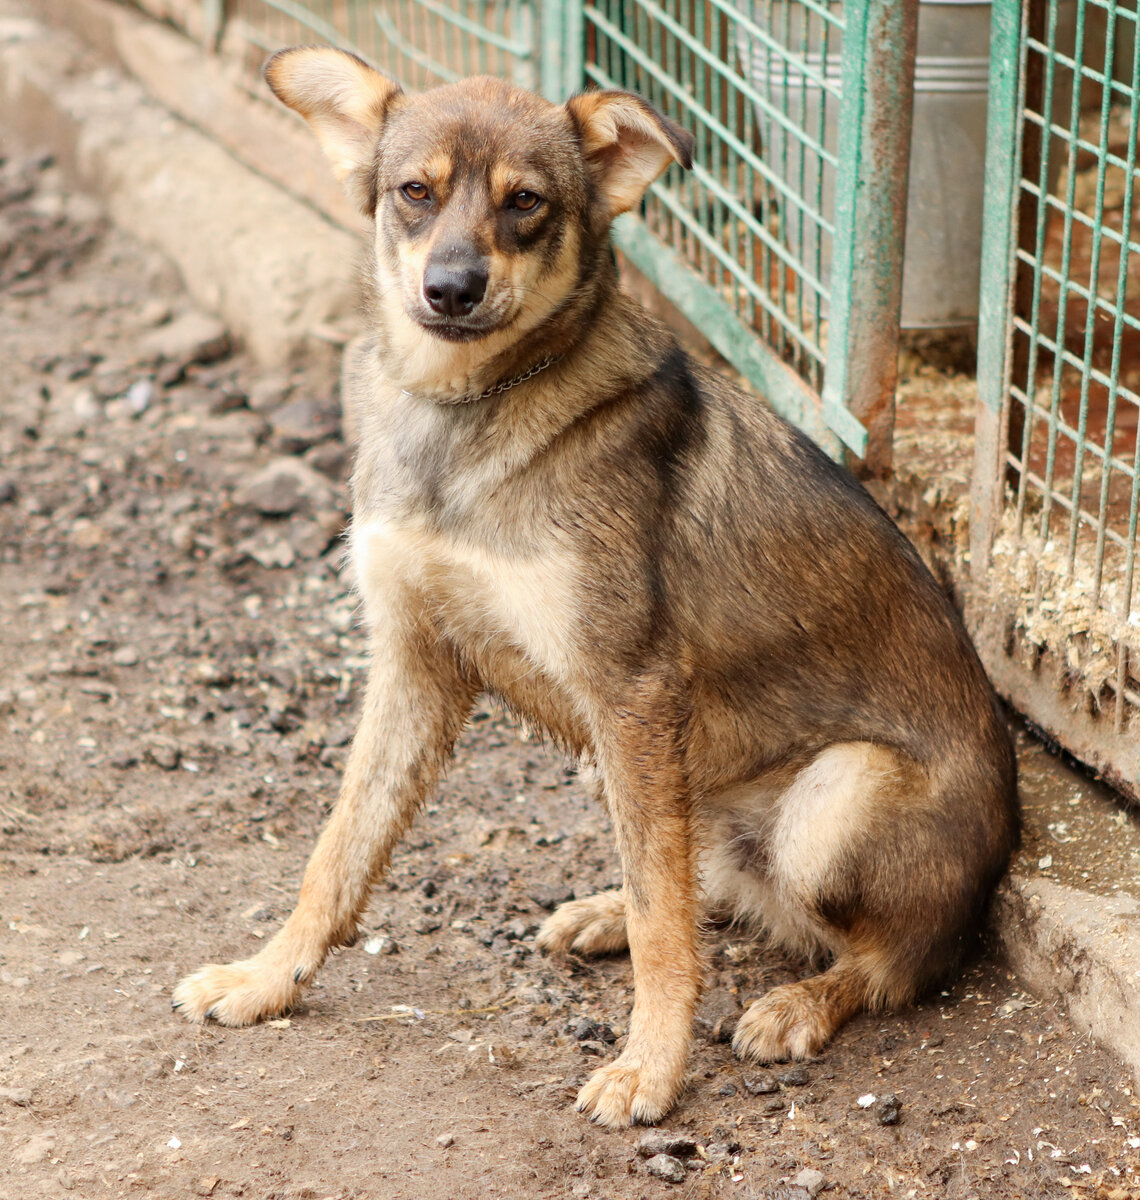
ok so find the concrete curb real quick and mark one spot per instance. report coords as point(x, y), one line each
point(277, 273)
point(1083, 950)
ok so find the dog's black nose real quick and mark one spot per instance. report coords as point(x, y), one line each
point(454, 291)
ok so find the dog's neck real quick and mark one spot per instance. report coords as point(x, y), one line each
point(496, 389)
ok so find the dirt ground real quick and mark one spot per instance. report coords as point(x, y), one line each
point(179, 669)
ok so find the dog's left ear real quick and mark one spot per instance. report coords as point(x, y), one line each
point(627, 144)
point(344, 101)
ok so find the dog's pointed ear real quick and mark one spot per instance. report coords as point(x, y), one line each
point(627, 144)
point(344, 101)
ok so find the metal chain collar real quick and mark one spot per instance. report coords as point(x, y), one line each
point(499, 388)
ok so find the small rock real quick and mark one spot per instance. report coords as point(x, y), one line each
point(717, 1017)
point(665, 1166)
point(20, 1096)
point(427, 924)
point(550, 898)
point(303, 422)
point(813, 1182)
point(761, 1085)
point(139, 396)
point(331, 458)
point(125, 656)
point(598, 1049)
point(662, 1141)
point(85, 407)
point(585, 1029)
point(164, 754)
point(7, 489)
point(312, 537)
point(267, 550)
point(381, 944)
point(86, 534)
point(193, 337)
point(269, 393)
point(796, 1077)
point(888, 1109)
point(445, 1140)
point(285, 486)
point(726, 1089)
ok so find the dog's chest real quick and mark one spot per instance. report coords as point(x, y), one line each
point(487, 600)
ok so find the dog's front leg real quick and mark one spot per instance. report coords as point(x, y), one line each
point(641, 761)
point(416, 702)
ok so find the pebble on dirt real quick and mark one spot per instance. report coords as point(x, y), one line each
point(284, 486)
point(888, 1109)
point(303, 422)
point(661, 1141)
point(665, 1166)
point(761, 1085)
point(811, 1181)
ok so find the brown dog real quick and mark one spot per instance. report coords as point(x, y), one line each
point(554, 504)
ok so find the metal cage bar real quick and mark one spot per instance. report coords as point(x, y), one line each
point(1056, 486)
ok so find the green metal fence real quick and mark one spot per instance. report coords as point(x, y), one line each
point(1057, 484)
point(784, 244)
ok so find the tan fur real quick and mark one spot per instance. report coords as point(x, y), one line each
point(553, 504)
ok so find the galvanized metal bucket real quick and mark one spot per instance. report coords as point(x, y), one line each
point(947, 166)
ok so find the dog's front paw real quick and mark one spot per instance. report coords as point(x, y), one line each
point(238, 994)
point(789, 1022)
point(630, 1091)
point(595, 925)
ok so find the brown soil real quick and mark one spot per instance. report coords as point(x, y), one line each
point(173, 718)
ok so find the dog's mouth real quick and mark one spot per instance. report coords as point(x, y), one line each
point(456, 330)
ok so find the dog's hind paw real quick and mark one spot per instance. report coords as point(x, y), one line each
point(589, 927)
point(241, 993)
point(628, 1092)
point(789, 1022)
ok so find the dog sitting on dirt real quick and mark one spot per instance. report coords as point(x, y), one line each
point(554, 504)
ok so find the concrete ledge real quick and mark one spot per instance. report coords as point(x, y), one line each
point(278, 273)
point(212, 95)
point(1069, 945)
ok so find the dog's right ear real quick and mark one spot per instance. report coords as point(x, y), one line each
point(344, 101)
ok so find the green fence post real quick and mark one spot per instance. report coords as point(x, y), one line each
point(870, 218)
point(562, 48)
point(999, 246)
point(213, 23)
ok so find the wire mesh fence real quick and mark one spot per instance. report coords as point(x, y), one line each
point(1062, 484)
point(420, 42)
point(760, 85)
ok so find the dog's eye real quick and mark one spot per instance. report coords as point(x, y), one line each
point(415, 191)
point(525, 201)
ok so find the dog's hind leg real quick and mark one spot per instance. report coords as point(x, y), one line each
point(796, 1020)
point(416, 702)
point(888, 868)
point(592, 926)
